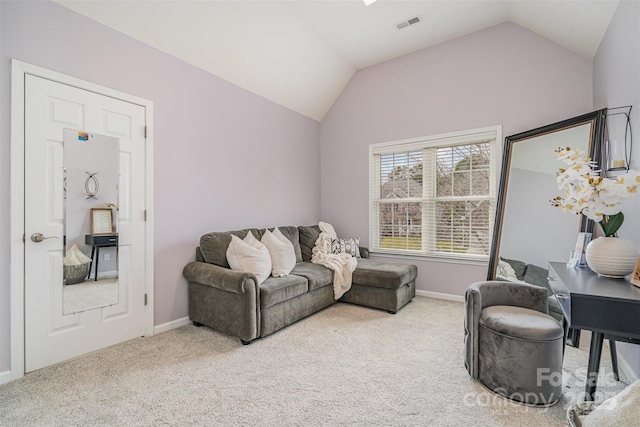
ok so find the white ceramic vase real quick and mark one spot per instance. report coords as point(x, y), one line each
point(611, 256)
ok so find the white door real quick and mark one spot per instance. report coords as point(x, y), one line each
point(50, 336)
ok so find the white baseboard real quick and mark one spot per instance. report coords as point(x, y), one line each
point(158, 329)
point(107, 274)
point(5, 377)
point(438, 295)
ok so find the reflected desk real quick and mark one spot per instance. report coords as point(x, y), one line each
point(97, 241)
point(609, 308)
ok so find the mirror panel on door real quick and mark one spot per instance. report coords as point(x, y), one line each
point(91, 190)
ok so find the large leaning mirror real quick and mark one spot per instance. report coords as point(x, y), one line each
point(91, 182)
point(527, 228)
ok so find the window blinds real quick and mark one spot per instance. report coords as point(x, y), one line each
point(434, 196)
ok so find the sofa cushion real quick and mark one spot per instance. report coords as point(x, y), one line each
point(520, 322)
point(275, 290)
point(317, 275)
point(383, 274)
point(555, 310)
point(213, 246)
point(291, 233)
point(283, 258)
point(249, 256)
point(308, 236)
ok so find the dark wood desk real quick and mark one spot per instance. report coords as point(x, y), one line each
point(97, 241)
point(606, 307)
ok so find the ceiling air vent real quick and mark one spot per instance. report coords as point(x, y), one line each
point(408, 22)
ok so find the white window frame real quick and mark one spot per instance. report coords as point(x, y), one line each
point(420, 143)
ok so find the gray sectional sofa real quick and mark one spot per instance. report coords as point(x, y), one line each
point(232, 302)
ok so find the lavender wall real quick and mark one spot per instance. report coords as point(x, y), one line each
point(616, 82)
point(224, 158)
point(503, 75)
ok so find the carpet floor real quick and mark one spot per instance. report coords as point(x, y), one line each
point(346, 365)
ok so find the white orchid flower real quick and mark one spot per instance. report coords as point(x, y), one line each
point(588, 193)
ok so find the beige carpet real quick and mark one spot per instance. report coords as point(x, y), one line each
point(346, 365)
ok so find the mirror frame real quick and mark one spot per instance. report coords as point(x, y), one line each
point(596, 118)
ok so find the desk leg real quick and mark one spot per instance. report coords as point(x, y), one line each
point(97, 259)
point(595, 352)
point(614, 360)
point(565, 336)
point(575, 337)
point(93, 251)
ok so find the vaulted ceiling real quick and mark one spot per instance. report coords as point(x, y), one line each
point(301, 54)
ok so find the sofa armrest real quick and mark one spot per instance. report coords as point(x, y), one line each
point(218, 277)
point(364, 252)
point(223, 299)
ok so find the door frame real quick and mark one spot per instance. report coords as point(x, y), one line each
point(19, 70)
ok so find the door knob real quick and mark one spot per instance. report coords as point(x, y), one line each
point(39, 237)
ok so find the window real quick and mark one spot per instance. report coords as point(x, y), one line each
point(434, 196)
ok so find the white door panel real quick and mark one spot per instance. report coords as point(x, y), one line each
point(50, 336)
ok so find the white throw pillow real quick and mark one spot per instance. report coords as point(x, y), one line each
point(283, 256)
point(251, 240)
point(249, 256)
point(505, 270)
point(349, 246)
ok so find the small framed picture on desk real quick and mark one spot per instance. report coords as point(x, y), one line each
point(635, 277)
point(101, 221)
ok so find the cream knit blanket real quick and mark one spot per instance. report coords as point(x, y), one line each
point(341, 264)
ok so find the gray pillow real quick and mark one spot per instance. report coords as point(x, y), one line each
point(537, 276)
point(518, 266)
point(308, 236)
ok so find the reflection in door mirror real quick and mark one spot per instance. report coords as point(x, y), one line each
point(91, 178)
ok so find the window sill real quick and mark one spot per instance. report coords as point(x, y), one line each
point(483, 261)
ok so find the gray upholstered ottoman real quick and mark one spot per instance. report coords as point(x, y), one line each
point(520, 354)
point(387, 286)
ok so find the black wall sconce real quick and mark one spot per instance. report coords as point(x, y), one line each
point(91, 185)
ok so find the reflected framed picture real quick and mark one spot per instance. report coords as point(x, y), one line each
point(101, 221)
point(577, 258)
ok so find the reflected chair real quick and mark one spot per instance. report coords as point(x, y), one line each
point(511, 345)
